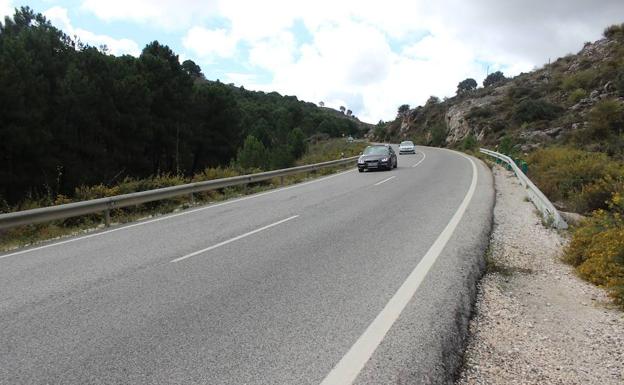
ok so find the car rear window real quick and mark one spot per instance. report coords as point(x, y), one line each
point(375, 150)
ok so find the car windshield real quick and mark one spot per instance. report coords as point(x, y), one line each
point(376, 150)
point(407, 143)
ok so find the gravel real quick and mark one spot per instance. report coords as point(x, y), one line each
point(535, 321)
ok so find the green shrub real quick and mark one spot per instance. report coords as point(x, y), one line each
point(280, 157)
point(576, 95)
point(530, 110)
point(498, 125)
point(581, 180)
point(587, 79)
point(606, 118)
point(519, 92)
point(438, 136)
point(506, 145)
point(469, 143)
point(614, 32)
point(480, 113)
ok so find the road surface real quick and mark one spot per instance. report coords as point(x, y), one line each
point(362, 278)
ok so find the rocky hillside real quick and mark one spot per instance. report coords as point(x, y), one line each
point(575, 100)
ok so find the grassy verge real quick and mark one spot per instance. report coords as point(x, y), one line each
point(27, 235)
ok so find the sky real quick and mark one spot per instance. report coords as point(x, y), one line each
point(369, 56)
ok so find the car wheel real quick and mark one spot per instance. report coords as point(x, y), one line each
point(360, 169)
point(396, 164)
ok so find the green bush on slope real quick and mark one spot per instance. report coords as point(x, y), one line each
point(580, 180)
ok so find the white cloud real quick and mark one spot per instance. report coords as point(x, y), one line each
point(352, 64)
point(59, 17)
point(169, 14)
point(207, 43)
point(6, 9)
point(239, 78)
point(366, 53)
point(273, 53)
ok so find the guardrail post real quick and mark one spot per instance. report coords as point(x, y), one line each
point(192, 198)
point(281, 180)
point(107, 220)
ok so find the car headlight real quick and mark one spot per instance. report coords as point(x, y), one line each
point(384, 159)
point(360, 160)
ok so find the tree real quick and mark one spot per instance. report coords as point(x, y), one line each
point(252, 154)
point(329, 126)
point(72, 115)
point(466, 85)
point(342, 109)
point(322, 104)
point(192, 69)
point(493, 78)
point(296, 142)
point(380, 130)
point(349, 112)
point(403, 109)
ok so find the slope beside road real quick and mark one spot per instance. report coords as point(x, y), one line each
point(274, 288)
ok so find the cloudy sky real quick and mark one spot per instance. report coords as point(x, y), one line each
point(370, 56)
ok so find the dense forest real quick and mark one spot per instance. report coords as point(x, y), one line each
point(71, 115)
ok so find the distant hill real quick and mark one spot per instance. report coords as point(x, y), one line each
point(576, 100)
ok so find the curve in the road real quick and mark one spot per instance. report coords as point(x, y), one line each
point(268, 299)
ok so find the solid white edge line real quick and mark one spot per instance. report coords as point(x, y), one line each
point(169, 216)
point(348, 368)
point(233, 239)
point(384, 181)
point(420, 161)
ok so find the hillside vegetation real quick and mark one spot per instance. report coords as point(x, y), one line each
point(566, 120)
point(72, 116)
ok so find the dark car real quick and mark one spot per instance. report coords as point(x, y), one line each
point(377, 157)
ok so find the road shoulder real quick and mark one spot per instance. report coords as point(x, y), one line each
point(535, 321)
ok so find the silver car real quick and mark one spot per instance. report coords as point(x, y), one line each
point(407, 147)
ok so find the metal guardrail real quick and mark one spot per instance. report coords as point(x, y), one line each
point(105, 205)
point(549, 212)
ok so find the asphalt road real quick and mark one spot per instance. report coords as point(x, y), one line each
point(357, 277)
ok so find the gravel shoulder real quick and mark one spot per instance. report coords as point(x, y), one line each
point(535, 321)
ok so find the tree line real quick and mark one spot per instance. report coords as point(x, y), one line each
point(72, 115)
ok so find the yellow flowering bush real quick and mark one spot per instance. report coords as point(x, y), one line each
point(597, 248)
